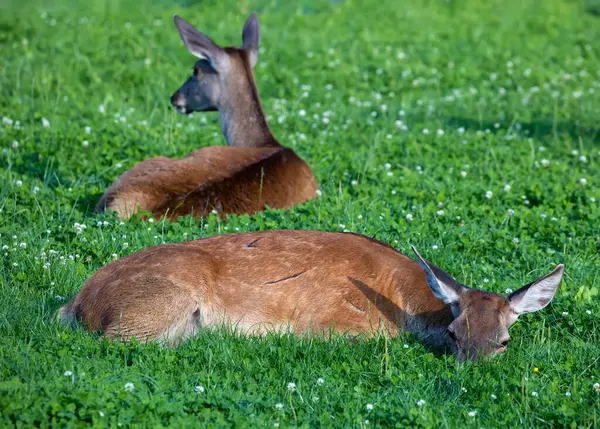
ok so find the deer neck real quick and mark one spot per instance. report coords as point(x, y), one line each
point(426, 316)
point(242, 118)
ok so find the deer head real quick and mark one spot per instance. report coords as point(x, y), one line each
point(223, 80)
point(482, 319)
point(210, 84)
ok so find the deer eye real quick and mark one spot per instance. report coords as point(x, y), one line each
point(504, 343)
point(452, 335)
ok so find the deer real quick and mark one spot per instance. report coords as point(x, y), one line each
point(300, 282)
point(252, 172)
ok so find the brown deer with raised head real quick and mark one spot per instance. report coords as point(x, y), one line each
point(305, 281)
point(256, 171)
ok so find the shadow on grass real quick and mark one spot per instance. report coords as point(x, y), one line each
point(592, 7)
point(87, 203)
point(29, 165)
point(542, 129)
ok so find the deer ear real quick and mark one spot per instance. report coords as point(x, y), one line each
point(538, 294)
point(251, 38)
point(442, 284)
point(200, 45)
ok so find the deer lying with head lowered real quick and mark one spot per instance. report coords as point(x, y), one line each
point(305, 281)
point(254, 172)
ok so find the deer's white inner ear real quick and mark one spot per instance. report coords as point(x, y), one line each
point(538, 294)
point(201, 56)
point(442, 284)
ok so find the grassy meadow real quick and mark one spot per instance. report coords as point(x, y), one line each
point(469, 129)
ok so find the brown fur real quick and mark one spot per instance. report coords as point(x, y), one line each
point(225, 179)
point(295, 278)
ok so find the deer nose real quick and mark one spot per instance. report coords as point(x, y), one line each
point(178, 100)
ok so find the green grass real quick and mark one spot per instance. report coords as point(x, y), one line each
point(511, 84)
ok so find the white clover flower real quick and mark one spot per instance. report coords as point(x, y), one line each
point(19, 183)
point(565, 313)
point(516, 240)
point(279, 406)
point(463, 174)
point(425, 131)
point(147, 61)
point(421, 402)
point(489, 194)
point(320, 381)
point(472, 413)
point(583, 181)
point(7, 121)
point(435, 247)
point(85, 143)
point(129, 387)
point(291, 386)
point(354, 182)
point(101, 108)
point(88, 130)
point(493, 396)
point(409, 217)
point(583, 158)
point(45, 122)
point(510, 212)
point(440, 212)
point(545, 162)
point(405, 346)
point(23, 245)
point(534, 394)
point(507, 188)
point(15, 144)
point(199, 389)
point(568, 394)
point(440, 132)
point(68, 373)
point(369, 407)
point(114, 256)
point(318, 192)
